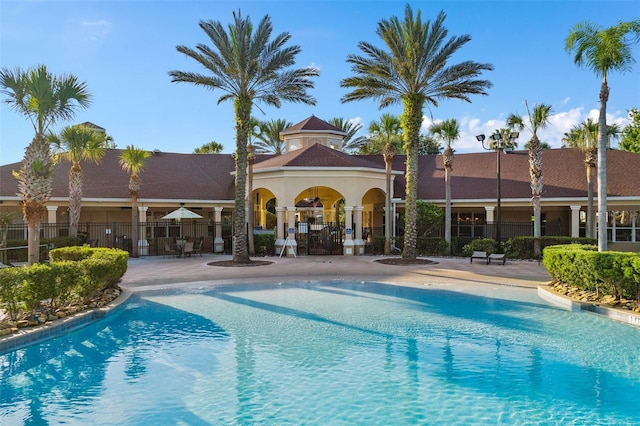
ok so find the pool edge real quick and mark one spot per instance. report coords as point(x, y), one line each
point(28, 336)
point(564, 302)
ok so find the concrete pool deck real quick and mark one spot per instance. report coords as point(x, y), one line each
point(147, 273)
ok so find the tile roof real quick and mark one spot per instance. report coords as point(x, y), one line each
point(312, 124)
point(316, 155)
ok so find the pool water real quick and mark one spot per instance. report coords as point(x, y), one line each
point(339, 353)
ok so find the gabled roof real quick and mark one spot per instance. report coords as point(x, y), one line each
point(312, 125)
point(316, 155)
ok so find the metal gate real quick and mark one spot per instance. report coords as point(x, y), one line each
point(320, 239)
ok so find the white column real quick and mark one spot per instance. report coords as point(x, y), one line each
point(291, 248)
point(634, 216)
point(51, 214)
point(348, 246)
point(359, 242)
point(143, 244)
point(280, 238)
point(489, 210)
point(52, 220)
point(218, 242)
point(575, 221)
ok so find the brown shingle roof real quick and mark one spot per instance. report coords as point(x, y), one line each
point(316, 155)
point(312, 124)
point(184, 177)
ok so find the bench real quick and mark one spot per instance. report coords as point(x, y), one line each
point(479, 255)
point(497, 257)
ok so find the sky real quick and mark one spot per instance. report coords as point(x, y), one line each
point(124, 51)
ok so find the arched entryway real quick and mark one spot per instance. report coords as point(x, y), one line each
point(320, 227)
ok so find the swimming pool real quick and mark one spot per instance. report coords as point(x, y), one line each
point(339, 353)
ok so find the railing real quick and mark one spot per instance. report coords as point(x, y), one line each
point(10, 256)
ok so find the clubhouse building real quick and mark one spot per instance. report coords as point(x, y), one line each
point(320, 200)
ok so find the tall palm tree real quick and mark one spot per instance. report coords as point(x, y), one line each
point(132, 161)
point(603, 50)
point(76, 144)
point(447, 131)
point(248, 67)
point(584, 136)
point(44, 99)
point(268, 141)
point(349, 143)
point(537, 119)
point(388, 132)
point(414, 71)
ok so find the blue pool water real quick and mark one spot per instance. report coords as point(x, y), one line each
point(339, 353)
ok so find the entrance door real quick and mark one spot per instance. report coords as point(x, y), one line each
point(321, 239)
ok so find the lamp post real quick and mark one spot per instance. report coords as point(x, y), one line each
point(501, 140)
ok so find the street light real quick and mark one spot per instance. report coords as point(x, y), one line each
point(501, 140)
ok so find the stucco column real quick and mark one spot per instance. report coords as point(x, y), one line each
point(634, 217)
point(489, 210)
point(358, 243)
point(143, 244)
point(218, 242)
point(575, 221)
point(291, 246)
point(52, 220)
point(348, 245)
point(280, 237)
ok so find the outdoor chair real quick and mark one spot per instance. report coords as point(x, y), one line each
point(188, 249)
point(479, 255)
point(198, 249)
point(168, 251)
point(497, 257)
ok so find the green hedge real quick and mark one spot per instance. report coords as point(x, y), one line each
point(73, 273)
point(522, 247)
point(582, 266)
point(264, 244)
point(481, 244)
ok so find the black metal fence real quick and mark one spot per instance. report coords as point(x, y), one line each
point(152, 235)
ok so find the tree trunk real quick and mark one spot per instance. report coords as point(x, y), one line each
point(411, 120)
point(134, 225)
point(75, 198)
point(252, 249)
point(242, 108)
point(34, 185)
point(602, 167)
point(447, 158)
point(388, 154)
point(535, 172)
point(590, 231)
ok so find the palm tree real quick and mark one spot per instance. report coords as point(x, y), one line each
point(256, 130)
point(247, 67)
point(538, 119)
point(349, 143)
point(76, 144)
point(212, 147)
point(447, 131)
point(132, 161)
point(584, 136)
point(413, 72)
point(44, 99)
point(268, 141)
point(603, 50)
point(387, 131)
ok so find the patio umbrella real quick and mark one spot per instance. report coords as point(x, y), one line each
point(182, 213)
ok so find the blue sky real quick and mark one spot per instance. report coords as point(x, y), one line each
point(125, 49)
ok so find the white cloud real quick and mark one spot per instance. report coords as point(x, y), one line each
point(94, 30)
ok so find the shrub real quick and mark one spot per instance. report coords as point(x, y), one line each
point(264, 243)
point(522, 247)
point(11, 282)
point(481, 244)
point(582, 266)
point(431, 246)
